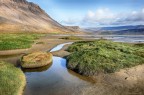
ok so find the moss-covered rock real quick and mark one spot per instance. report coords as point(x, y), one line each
point(36, 59)
point(12, 79)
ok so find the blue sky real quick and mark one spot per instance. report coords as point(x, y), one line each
point(93, 13)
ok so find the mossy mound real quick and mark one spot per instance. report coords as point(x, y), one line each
point(12, 79)
point(89, 58)
point(36, 60)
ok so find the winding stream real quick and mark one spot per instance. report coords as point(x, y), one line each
point(54, 79)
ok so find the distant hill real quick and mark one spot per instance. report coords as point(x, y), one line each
point(21, 15)
point(119, 30)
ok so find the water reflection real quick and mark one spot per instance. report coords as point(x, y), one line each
point(81, 77)
point(55, 80)
point(41, 69)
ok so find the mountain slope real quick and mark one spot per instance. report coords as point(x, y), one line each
point(20, 15)
point(119, 30)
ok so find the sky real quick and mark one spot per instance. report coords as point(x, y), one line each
point(94, 13)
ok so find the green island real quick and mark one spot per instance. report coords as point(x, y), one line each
point(17, 41)
point(91, 57)
point(12, 80)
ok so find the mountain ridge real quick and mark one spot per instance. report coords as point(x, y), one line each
point(21, 15)
point(117, 30)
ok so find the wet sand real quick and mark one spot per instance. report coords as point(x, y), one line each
point(128, 81)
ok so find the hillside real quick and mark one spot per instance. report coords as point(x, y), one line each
point(21, 15)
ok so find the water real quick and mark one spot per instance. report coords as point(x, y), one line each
point(127, 39)
point(115, 38)
point(60, 47)
point(130, 39)
point(54, 79)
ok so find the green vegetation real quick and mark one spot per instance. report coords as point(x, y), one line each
point(17, 41)
point(12, 80)
point(71, 38)
point(40, 43)
point(36, 59)
point(92, 57)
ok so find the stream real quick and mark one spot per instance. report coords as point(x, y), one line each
point(54, 79)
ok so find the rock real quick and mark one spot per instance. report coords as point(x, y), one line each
point(36, 59)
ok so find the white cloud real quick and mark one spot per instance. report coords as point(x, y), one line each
point(105, 16)
point(71, 21)
point(101, 16)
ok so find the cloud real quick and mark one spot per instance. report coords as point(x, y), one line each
point(105, 16)
point(71, 21)
point(100, 16)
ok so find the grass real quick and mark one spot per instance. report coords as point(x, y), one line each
point(17, 41)
point(36, 59)
point(71, 38)
point(12, 79)
point(40, 43)
point(91, 57)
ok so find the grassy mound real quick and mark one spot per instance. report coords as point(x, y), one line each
point(12, 80)
point(36, 59)
point(17, 41)
point(89, 58)
point(71, 38)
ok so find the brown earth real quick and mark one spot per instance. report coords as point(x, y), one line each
point(128, 81)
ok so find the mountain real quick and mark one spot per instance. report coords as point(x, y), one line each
point(21, 15)
point(118, 30)
point(74, 28)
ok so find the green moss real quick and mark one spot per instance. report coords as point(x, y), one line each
point(91, 57)
point(12, 80)
point(17, 41)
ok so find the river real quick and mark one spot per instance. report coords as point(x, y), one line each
point(54, 79)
